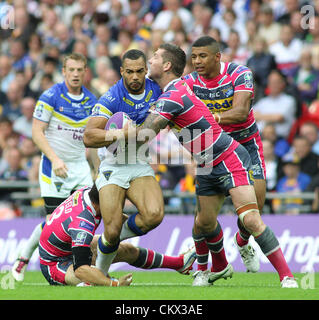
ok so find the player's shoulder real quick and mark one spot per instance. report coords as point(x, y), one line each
point(49, 96)
point(191, 76)
point(89, 94)
point(234, 69)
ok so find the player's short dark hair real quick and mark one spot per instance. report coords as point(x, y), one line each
point(207, 41)
point(134, 54)
point(176, 56)
point(94, 194)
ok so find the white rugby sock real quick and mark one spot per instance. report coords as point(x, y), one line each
point(32, 243)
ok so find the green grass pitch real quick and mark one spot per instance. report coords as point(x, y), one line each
point(168, 286)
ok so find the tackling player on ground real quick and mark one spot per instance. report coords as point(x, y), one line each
point(68, 246)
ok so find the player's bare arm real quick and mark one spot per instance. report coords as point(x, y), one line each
point(240, 110)
point(38, 136)
point(153, 122)
point(95, 135)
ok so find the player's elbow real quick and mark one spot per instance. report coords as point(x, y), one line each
point(87, 138)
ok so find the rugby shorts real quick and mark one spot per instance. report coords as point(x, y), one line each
point(122, 174)
point(55, 271)
point(255, 150)
point(235, 170)
point(79, 175)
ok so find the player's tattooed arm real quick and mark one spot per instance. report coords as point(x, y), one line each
point(154, 122)
point(151, 127)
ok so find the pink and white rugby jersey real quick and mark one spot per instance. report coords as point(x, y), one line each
point(73, 223)
point(193, 124)
point(218, 94)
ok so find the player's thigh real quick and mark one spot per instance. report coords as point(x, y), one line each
point(207, 209)
point(146, 194)
point(242, 195)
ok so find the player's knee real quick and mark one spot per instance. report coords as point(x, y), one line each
point(253, 222)
point(153, 217)
point(205, 225)
point(112, 233)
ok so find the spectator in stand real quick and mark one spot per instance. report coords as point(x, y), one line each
point(176, 24)
point(267, 109)
point(237, 52)
point(312, 37)
point(252, 29)
point(224, 5)
point(6, 129)
point(6, 73)
point(290, 6)
point(106, 76)
point(24, 26)
point(287, 50)
point(311, 132)
point(301, 149)
point(296, 24)
point(202, 19)
point(23, 124)
point(281, 146)
point(49, 66)
point(14, 172)
point(313, 186)
point(271, 162)
point(305, 77)
point(12, 102)
point(63, 38)
point(261, 64)
point(125, 43)
point(171, 7)
point(46, 27)
point(35, 51)
point(269, 29)
point(103, 35)
point(28, 150)
point(231, 23)
point(293, 181)
point(21, 61)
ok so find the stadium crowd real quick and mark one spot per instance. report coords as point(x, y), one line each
point(277, 39)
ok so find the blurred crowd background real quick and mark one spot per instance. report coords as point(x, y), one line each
point(277, 39)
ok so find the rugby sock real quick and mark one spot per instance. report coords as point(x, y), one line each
point(105, 254)
point(130, 229)
point(216, 247)
point(149, 259)
point(33, 242)
point(242, 236)
point(202, 251)
point(269, 245)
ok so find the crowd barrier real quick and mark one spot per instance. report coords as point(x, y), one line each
point(298, 236)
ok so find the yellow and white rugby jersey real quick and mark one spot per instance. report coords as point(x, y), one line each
point(66, 116)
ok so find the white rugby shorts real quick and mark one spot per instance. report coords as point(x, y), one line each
point(122, 174)
point(79, 175)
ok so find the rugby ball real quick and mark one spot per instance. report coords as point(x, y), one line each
point(117, 121)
